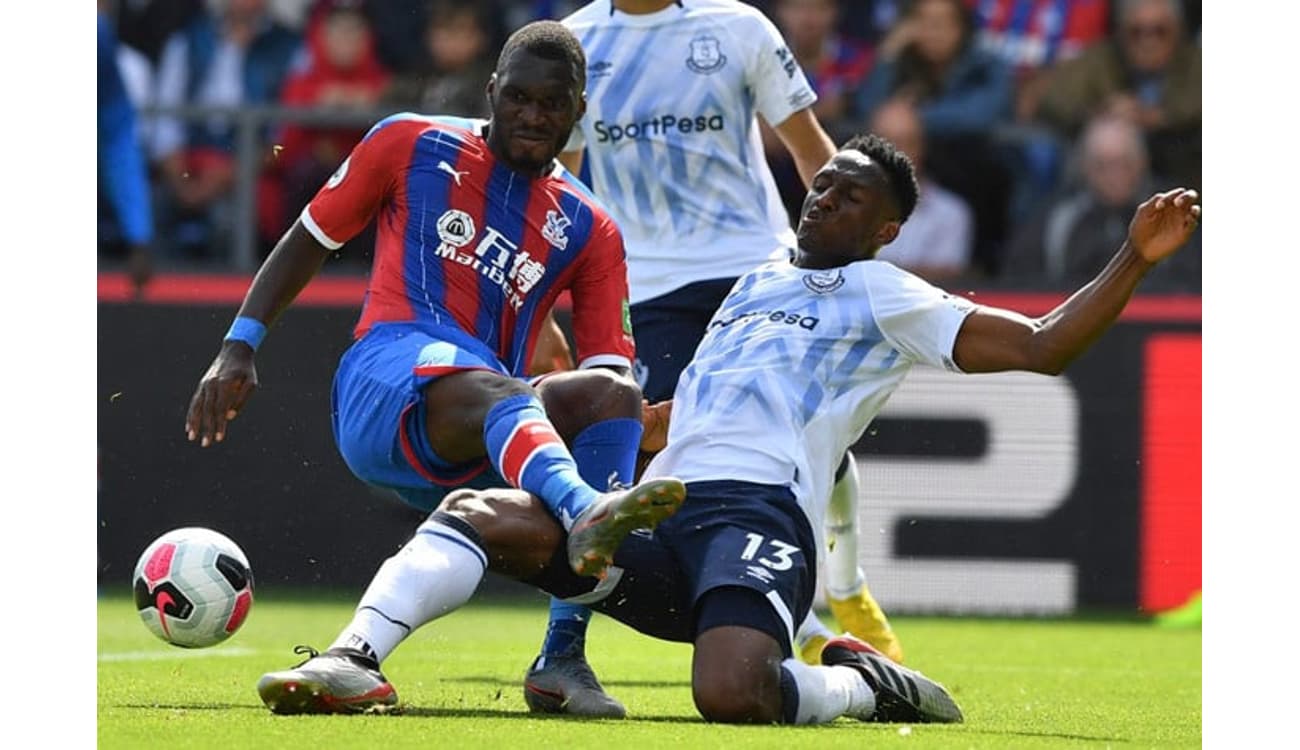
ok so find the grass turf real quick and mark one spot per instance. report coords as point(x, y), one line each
point(1020, 683)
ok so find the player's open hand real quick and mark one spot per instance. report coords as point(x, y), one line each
point(1163, 223)
point(222, 393)
point(654, 425)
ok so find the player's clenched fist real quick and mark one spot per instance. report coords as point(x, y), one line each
point(221, 394)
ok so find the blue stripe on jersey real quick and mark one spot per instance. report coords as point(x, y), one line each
point(582, 222)
point(857, 353)
point(427, 198)
point(615, 98)
point(507, 206)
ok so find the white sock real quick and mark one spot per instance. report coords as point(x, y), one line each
point(826, 693)
point(436, 572)
point(811, 627)
point(843, 576)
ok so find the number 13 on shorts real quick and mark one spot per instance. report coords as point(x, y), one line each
point(779, 554)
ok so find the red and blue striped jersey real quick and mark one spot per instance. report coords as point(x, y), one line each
point(463, 240)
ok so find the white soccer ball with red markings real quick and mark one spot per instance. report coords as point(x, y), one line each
point(193, 587)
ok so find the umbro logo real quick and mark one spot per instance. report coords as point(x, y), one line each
point(600, 69)
point(455, 173)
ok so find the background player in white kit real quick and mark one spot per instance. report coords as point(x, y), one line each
point(673, 149)
point(805, 350)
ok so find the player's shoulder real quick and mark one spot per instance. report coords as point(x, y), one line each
point(411, 125)
point(740, 19)
point(592, 14)
point(569, 183)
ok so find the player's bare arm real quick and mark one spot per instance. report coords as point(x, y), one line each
point(807, 142)
point(994, 340)
point(231, 378)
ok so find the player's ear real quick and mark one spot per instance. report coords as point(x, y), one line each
point(888, 233)
point(582, 105)
point(491, 87)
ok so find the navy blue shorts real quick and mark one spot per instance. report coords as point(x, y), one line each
point(727, 534)
point(668, 329)
point(379, 417)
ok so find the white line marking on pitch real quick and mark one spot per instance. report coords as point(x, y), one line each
point(176, 654)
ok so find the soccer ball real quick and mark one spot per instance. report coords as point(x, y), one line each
point(193, 587)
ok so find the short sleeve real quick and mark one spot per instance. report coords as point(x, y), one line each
point(778, 82)
point(917, 318)
point(349, 199)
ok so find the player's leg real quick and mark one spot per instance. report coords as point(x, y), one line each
point(444, 561)
point(507, 531)
point(850, 600)
point(669, 328)
point(559, 680)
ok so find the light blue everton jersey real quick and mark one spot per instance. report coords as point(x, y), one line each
point(794, 366)
point(672, 139)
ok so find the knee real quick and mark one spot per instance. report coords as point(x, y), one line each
point(734, 697)
point(610, 395)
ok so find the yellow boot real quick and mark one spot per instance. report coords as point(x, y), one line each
point(863, 617)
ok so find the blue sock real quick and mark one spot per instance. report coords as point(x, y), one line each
point(525, 449)
point(606, 454)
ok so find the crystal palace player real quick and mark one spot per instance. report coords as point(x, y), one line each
point(803, 352)
point(479, 230)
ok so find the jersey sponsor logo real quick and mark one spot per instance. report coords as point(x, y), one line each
point(706, 55)
point(455, 228)
point(788, 63)
point(824, 282)
point(806, 322)
point(456, 174)
point(600, 69)
point(655, 126)
point(553, 230)
point(495, 256)
point(338, 175)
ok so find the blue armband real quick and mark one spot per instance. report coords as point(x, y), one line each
point(248, 330)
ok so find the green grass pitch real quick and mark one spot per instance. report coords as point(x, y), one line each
point(1021, 683)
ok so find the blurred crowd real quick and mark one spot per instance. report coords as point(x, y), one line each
point(1036, 125)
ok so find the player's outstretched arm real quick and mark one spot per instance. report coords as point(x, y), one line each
point(994, 340)
point(231, 378)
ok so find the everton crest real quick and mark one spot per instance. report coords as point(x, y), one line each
point(824, 282)
point(706, 55)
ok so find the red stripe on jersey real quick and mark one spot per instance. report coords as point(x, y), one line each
point(524, 442)
point(545, 197)
point(386, 298)
point(461, 282)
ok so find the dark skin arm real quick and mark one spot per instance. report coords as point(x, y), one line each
point(231, 378)
point(995, 340)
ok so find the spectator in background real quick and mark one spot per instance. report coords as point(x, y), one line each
point(342, 74)
point(963, 94)
point(236, 57)
point(1148, 72)
point(453, 76)
point(1075, 235)
point(1033, 35)
point(123, 179)
point(835, 67)
point(937, 239)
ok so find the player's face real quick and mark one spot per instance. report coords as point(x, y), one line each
point(535, 103)
point(847, 214)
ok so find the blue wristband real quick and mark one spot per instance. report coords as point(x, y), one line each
point(251, 331)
